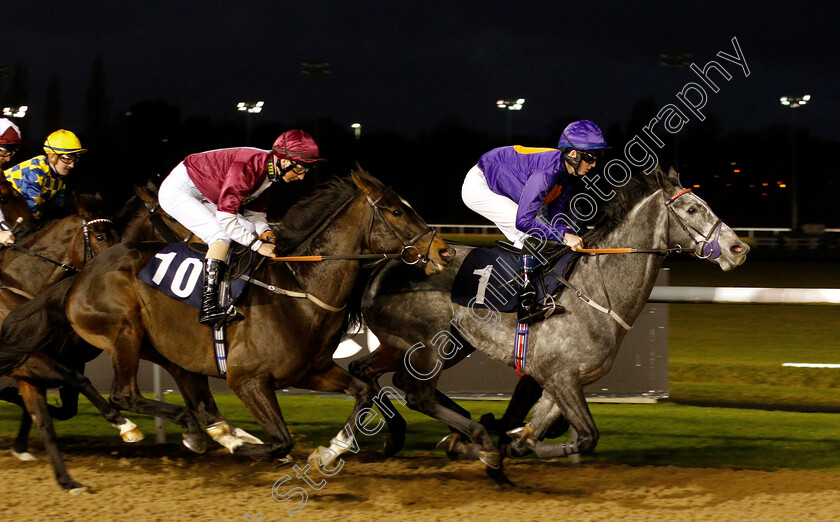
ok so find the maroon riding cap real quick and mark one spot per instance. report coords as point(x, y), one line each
point(9, 133)
point(298, 146)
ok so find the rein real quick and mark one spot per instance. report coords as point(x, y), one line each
point(88, 253)
point(409, 254)
point(706, 248)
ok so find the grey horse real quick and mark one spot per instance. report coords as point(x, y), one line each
point(422, 331)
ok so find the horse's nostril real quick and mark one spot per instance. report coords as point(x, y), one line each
point(446, 253)
point(737, 249)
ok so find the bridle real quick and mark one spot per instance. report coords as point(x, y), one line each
point(409, 253)
point(708, 247)
point(88, 249)
point(88, 253)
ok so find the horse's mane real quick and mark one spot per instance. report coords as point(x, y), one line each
point(129, 218)
point(309, 213)
point(626, 197)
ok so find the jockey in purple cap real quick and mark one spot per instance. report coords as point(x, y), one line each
point(221, 196)
point(511, 186)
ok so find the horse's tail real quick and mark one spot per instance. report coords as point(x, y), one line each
point(35, 326)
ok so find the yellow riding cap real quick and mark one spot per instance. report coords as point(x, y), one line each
point(63, 142)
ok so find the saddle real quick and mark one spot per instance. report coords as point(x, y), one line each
point(488, 277)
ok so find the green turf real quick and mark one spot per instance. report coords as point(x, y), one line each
point(654, 434)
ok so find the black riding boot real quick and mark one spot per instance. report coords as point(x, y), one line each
point(211, 312)
point(530, 309)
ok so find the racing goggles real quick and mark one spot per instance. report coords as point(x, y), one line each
point(67, 159)
point(591, 157)
point(7, 151)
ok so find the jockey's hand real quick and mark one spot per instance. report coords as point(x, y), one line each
point(266, 249)
point(572, 241)
point(268, 237)
point(6, 237)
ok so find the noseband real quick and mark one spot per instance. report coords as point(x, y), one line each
point(709, 246)
point(410, 254)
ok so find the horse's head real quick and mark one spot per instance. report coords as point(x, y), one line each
point(99, 231)
point(12, 203)
point(395, 226)
point(692, 224)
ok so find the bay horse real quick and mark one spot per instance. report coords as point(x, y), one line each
point(281, 342)
point(47, 370)
point(70, 241)
point(422, 331)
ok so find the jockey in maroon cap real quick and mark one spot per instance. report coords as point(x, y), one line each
point(222, 195)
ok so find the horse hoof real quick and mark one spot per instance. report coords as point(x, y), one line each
point(218, 429)
point(129, 432)
point(132, 436)
point(24, 456)
point(452, 445)
point(77, 491)
point(196, 444)
point(312, 458)
point(491, 459)
point(524, 435)
point(244, 436)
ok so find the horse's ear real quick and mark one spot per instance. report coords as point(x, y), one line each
point(673, 175)
point(365, 182)
point(151, 185)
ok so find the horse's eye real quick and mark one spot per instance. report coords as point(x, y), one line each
point(396, 212)
point(101, 238)
point(692, 210)
point(4, 200)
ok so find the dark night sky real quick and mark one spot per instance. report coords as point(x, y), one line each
point(406, 66)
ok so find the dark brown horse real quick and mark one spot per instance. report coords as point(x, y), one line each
point(281, 342)
point(60, 368)
point(70, 241)
point(142, 219)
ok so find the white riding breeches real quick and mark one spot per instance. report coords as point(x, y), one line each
point(501, 210)
point(180, 198)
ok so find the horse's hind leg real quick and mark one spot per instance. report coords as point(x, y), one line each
point(20, 448)
point(47, 371)
point(335, 379)
point(421, 396)
point(368, 370)
point(36, 403)
point(126, 394)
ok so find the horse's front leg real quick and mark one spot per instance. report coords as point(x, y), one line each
point(336, 379)
point(564, 399)
point(257, 394)
point(195, 389)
